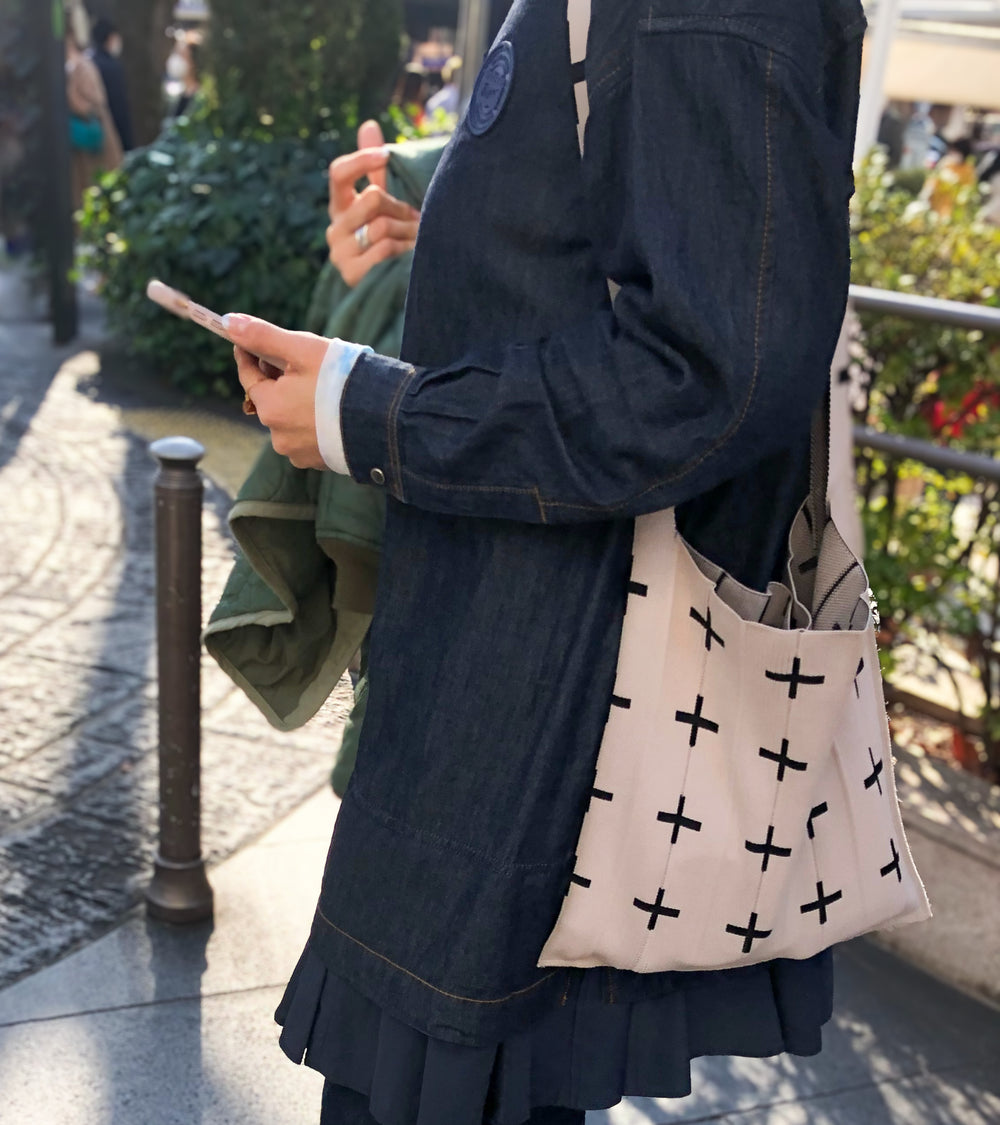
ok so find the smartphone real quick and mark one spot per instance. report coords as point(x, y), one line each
point(180, 304)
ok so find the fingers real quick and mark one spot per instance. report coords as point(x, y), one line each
point(373, 202)
point(354, 264)
point(380, 252)
point(249, 372)
point(370, 136)
point(299, 352)
point(387, 218)
point(402, 230)
point(345, 172)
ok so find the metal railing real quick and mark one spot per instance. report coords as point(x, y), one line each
point(958, 314)
point(944, 459)
point(910, 307)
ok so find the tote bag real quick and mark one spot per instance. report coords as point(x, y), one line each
point(744, 805)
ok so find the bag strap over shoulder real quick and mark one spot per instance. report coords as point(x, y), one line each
point(578, 16)
point(819, 469)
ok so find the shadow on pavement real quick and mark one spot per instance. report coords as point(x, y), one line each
point(902, 1049)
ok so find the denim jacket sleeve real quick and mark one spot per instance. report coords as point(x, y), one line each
point(720, 170)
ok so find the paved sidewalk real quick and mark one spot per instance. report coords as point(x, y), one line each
point(153, 1025)
point(78, 768)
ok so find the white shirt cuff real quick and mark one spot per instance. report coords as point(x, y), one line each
point(338, 363)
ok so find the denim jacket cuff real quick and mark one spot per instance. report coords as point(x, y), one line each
point(368, 412)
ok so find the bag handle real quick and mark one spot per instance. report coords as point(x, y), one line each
point(578, 18)
point(819, 470)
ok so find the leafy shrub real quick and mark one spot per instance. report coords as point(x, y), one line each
point(236, 223)
point(933, 540)
point(293, 68)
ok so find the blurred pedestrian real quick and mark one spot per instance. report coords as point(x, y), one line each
point(106, 53)
point(917, 136)
point(183, 68)
point(530, 419)
point(954, 171)
point(890, 135)
point(446, 98)
point(94, 142)
point(988, 171)
point(411, 93)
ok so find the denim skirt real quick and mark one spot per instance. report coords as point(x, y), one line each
point(587, 1052)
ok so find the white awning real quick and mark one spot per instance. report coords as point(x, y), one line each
point(947, 70)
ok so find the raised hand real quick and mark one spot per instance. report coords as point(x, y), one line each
point(370, 226)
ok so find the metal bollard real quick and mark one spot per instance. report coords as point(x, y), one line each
point(179, 890)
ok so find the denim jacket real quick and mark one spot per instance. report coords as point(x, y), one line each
point(530, 420)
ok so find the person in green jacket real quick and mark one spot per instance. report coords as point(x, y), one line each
point(389, 226)
point(299, 599)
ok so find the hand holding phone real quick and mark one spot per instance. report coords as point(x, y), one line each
point(180, 304)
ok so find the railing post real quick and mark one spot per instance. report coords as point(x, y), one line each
point(179, 891)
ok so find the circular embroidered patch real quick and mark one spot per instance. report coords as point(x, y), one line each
point(492, 87)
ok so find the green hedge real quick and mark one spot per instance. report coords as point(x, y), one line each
point(293, 67)
point(236, 224)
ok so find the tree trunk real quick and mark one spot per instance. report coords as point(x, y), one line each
point(143, 25)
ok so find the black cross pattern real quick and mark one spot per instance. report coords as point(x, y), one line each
point(577, 881)
point(749, 933)
point(875, 777)
point(697, 722)
point(679, 821)
point(795, 679)
point(822, 902)
point(599, 795)
point(894, 866)
point(817, 811)
point(809, 564)
point(783, 759)
point(656, 910)
point(768, 848)
point(638, 589)
point(621, 701)
point(706, 623)
point(861, 668)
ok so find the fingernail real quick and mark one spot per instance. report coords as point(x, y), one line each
point(234, 323)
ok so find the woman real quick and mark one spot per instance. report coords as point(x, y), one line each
point(528, 422)
point(87, 100)
point(183, 66)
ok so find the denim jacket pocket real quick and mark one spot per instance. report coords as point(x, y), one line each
point(771, 36)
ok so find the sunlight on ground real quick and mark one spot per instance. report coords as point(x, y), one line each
point(230, 448)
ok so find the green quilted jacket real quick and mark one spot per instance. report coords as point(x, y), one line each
point(298, 602)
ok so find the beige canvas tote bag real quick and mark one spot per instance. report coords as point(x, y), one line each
point(744, 806)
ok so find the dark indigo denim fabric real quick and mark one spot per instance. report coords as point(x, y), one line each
point(528, 421)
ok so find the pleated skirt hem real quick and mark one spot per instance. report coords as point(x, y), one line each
point(586, 1053)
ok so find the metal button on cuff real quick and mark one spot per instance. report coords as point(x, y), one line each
point(378, 477)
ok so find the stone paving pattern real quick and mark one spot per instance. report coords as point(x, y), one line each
point(78, 730)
